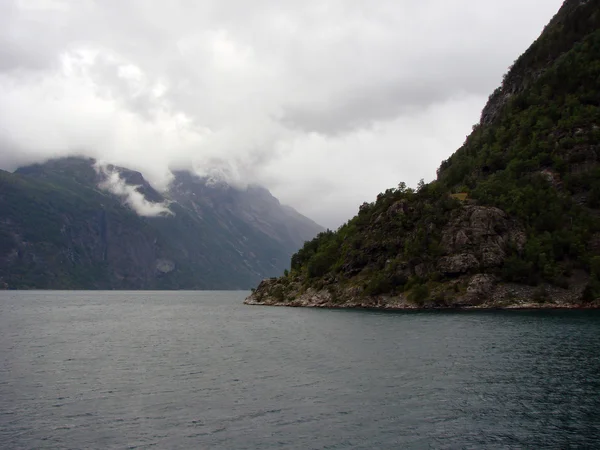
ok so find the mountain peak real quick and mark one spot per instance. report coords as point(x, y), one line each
point(79, 223)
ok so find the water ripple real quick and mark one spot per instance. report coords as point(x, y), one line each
point(200, 370)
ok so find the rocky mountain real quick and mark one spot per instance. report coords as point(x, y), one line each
point(513, 218)
point(73, 224)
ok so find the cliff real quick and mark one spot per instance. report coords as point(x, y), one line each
point(512, 219)
point(68, 224)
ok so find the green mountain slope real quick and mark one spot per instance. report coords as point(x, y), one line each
point(60, 230)
point(514, 215)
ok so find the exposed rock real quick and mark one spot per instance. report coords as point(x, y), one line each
point(400, 207)
point(457, 264)
point(421, 270)
point(528, 68)
point(478, 237)
point(482, 291)
point(480, 288)
point(551, 177)
point(164, 266)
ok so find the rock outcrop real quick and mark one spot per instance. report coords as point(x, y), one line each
point(478, 237)
point(513, 218)
point(480, 291)
point(532, 64)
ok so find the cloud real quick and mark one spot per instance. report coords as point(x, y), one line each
point(114, 184)
point(326, 103)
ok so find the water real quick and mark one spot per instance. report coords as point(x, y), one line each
point(201, 370)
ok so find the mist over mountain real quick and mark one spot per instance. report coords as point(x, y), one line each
point(315, 99)
point(76, 223)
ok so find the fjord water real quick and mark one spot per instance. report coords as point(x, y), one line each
point(201, 370)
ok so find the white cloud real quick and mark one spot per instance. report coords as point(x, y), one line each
point(114, 184)
point(325, 102)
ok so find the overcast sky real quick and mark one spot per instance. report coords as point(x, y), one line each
point(326, 103)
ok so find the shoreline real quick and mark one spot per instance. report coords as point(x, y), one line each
point(465, 308)
point(471, 293)
point(500, 296)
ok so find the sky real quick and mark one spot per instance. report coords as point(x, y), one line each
point(324, 102)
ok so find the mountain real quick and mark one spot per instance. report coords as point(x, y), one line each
point(72, 224)
point(513, 218)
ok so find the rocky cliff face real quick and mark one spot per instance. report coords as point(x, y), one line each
point(475, 243)
point(253, 206)
point(513, 217)
point(554, 41)
point(478, 237)
point(68, 224)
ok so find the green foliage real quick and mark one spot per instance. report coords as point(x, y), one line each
point(541, 295)
point(592, 290)
point(419, 294)
point(535, 156)
point(378, 284)
point(278, 293)
point(59, 231)
point(403, 224)
point(519, 271)
point(7, 242)
point(517, 162)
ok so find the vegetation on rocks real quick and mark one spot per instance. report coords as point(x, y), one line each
point(517, 205)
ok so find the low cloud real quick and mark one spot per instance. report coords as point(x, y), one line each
point(131, 196)
point(324, 102)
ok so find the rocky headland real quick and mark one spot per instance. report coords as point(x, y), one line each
point(513, 218)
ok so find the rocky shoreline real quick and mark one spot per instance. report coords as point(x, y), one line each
point(482, 292)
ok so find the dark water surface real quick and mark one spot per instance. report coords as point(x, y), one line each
point(201, 370)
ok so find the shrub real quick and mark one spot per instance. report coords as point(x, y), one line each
point(278, 293)
point(378, 284)
point(541, 295)
point(419, 294)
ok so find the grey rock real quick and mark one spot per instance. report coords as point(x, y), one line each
point(165, 266)
point(457, 264)
point(398, 208)
point(480, 288)
point(478, 237)
point(421, 270)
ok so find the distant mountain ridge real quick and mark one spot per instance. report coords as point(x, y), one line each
point(70, 224)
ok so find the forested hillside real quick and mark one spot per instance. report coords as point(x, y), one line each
point(513, 216)
point(63, 227)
